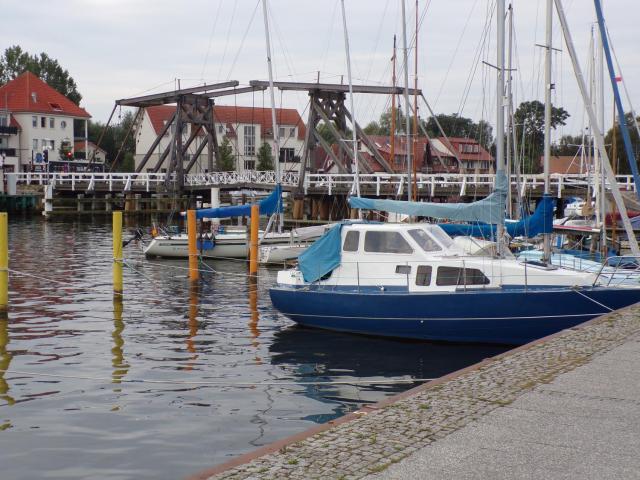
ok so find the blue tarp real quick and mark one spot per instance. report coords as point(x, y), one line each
point(488, 210)
point(323, 256)
point(269, 205)
point(540, 222)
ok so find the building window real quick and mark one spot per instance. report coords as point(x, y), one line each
point(63, 124)
point(351, 241)
point(281, 132)
point(287, 155)
point(48, 144)
point(249, 164)
point(386, 242)
point(292, 132)
point(220, 129)
point(35, 144)
point(34, 122)
point(52, 122)
point(4, 121)
point(43, 122)
point(249, 140)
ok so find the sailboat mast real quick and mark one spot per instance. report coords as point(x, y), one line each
point(406, 101)
point(274, 123)
point(500, 114)
point(509, 110)
point(601, 197)
point(547, 117)
point(599, 137)
point(415, 111)
point(351, 106)
point(392, 158)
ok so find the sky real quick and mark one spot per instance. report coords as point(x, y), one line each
point(120, 48)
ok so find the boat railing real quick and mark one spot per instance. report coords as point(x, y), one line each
point(619, 270)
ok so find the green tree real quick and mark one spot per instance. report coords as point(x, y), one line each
point(265, 159)
point(325, 132)
point(115, 140)
point(16, 61)
point(456, 126)
point(529, 122)
point(620, 159)
point(568, 145)
point(226, 162)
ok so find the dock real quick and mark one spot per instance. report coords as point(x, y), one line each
point(565, 406)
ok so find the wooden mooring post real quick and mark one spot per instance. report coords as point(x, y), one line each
point(4, 261)
point(192, 233)
point(117, 253)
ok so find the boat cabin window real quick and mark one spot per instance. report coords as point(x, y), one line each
point(441, 236)
point(460, 276)
point(423, 275)
point(386, 242)
point(351, 241)
point(425, 241)
point(403, 269)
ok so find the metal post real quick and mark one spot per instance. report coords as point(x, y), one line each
point(500, 114)
point(117, 253)
point(276, 132)
point(192, 233)
point(546, 257)
point(406, 101)
point(353, 112)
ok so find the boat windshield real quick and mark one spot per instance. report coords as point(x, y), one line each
point(425, 241)
point(439, 234)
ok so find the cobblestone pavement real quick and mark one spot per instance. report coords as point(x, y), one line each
point(376, 439)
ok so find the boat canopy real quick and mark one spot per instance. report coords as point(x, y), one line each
point(323, 255)
point(268, 205)
point(541, 221)
point(488, 210)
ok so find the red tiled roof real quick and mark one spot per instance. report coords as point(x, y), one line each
point(482, 154)
point(27, 93)
point(564, 164)
point(231, 115)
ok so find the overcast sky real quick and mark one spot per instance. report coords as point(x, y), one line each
point(120, 48)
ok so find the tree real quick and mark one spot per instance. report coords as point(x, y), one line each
point(15, 61)
point(226, 162)
point(456, 126)
point(265, 159)
point(620, 159)
point(529, 123)
point(112, 141)
point(325, 132)
point(568, 145)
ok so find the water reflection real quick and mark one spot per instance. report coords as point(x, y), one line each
point(254, 331)
point(193, 324)
point(317, 355)
point(5, 359)
point(120, 366)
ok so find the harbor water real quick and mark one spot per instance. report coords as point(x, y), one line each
point(172, 379)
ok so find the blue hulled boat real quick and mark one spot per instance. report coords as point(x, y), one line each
point(412, 281)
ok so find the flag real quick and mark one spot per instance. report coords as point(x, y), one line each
point(618, 79)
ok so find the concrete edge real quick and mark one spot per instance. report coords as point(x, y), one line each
point(280, 444)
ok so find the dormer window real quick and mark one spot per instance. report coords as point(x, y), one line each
point(55, 107)
point(34, 97)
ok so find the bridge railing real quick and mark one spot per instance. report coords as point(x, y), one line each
point(378, 183)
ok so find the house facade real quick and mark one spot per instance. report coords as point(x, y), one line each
point(435, 156)
point(35, 122)
point(246, 129)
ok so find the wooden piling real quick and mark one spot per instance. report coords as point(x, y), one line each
point(4, 261)
point(192, 233)
point(117, 253)
point(253, 250)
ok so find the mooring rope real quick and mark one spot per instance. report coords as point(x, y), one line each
point(387, 381)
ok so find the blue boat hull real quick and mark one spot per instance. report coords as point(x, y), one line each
point(506, 316)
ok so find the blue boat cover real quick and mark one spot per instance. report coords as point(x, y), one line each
point(540, 222)
point(488, 210)
point(323, 256)
point(269, 205)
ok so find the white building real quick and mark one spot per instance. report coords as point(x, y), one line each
point(246, 128)
point(35, 118)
